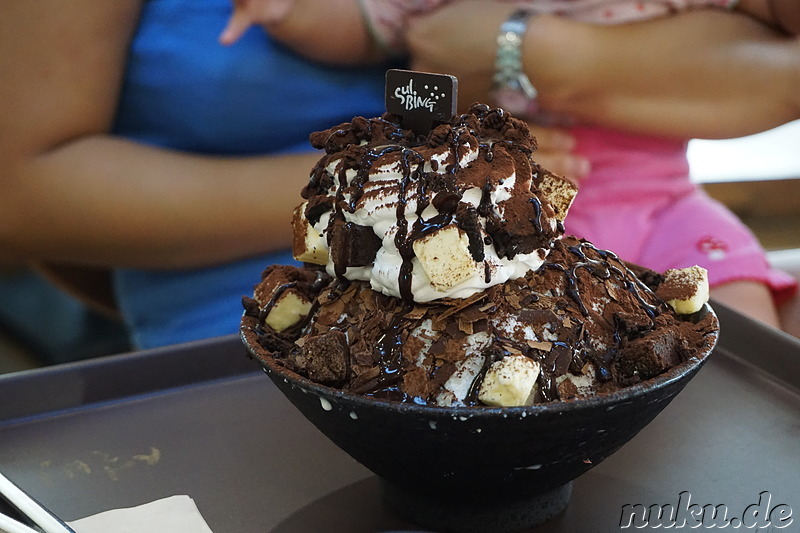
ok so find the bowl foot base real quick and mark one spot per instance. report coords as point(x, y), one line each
point(476, 516)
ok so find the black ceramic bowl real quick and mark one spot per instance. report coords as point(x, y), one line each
point(477, 468)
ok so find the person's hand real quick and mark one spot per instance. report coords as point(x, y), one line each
point(249, 12)
point(459, 39)
point(437, 43)
point(555, 153)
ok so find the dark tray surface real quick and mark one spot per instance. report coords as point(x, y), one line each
point(253, 463)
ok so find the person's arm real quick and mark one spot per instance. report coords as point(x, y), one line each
point(784, 14)
point(704, 73)
point(329, 31)
point(71, 192)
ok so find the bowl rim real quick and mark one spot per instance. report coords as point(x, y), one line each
point(674, 374)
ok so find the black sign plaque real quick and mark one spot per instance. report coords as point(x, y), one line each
point(422, 99)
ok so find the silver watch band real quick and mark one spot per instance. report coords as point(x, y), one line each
point(509, 76)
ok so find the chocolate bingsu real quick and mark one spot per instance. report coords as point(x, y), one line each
point(436, 272)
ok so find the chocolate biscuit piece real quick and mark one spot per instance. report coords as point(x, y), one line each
point(327, 357)
point(279, 278)
point(352, 245)
point(649, 356)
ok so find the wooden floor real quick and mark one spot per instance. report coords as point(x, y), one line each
point(771, 208)
point(776, 232)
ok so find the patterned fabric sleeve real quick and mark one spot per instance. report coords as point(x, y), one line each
point(687, 4)
point(387, 20)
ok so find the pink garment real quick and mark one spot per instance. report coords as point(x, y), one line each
point(388, 19)
point(638, 200)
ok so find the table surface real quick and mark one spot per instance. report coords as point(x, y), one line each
point(129, 429)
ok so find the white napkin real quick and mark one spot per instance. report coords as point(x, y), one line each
point(175, 514)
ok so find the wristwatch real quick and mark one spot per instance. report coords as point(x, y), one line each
point(511, 88)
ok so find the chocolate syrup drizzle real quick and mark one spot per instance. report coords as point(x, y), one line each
point(414, 178)
point(276, 294)
point(383, 136)
point(603, 269)
point(415, 182)
point(263, 311)
point(570, 350)
point(574, 344)
point(402, 239)
point(390, 353)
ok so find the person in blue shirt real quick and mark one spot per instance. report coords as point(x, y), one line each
point(132, 140)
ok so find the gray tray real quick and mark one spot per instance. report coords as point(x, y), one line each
point(201, 419)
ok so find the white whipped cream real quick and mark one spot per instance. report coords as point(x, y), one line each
point(377, 208)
